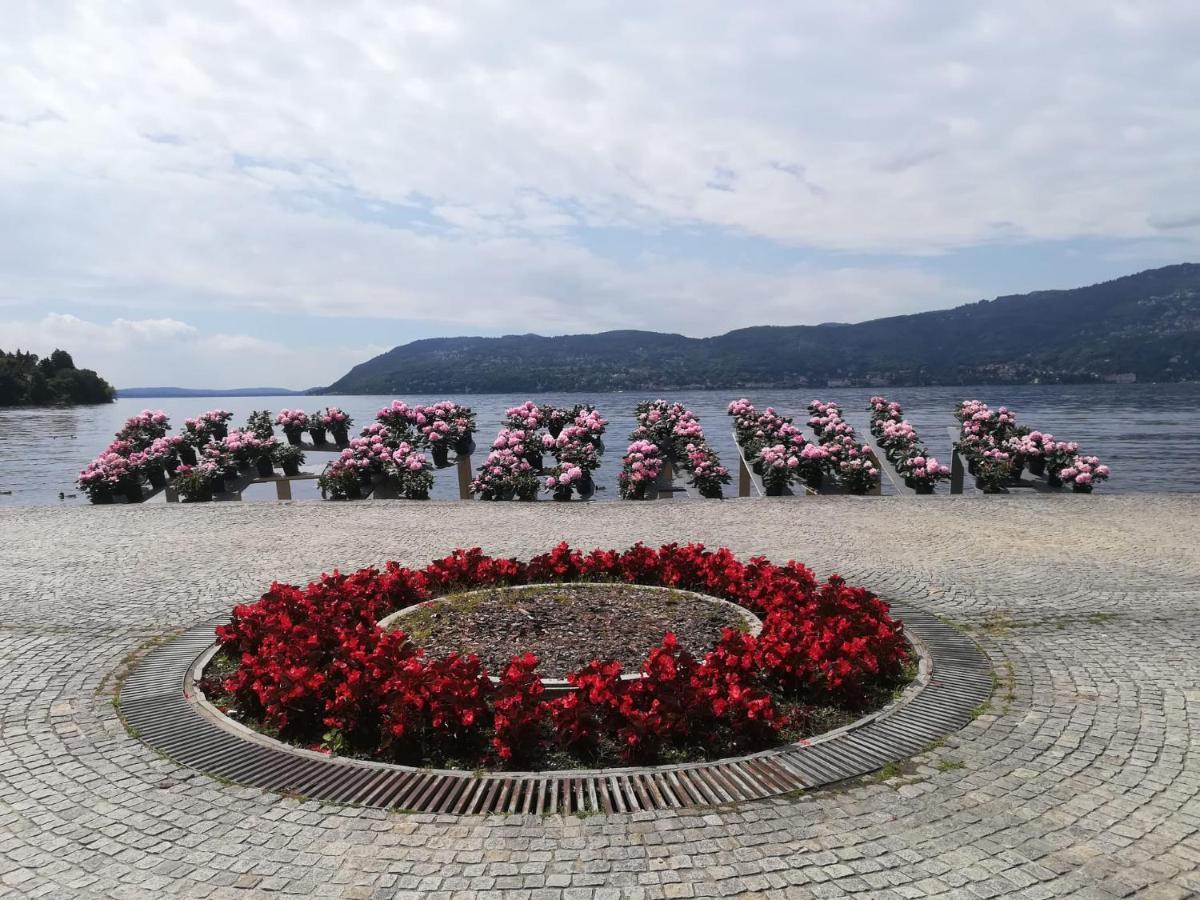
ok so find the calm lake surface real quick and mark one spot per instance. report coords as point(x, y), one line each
point(1148, 434)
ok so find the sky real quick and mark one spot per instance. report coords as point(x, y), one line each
point(229, 193)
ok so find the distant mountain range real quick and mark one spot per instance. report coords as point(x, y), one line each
point(1143, 327)
point(202, 392)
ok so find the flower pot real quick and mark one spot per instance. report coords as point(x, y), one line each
point(220, 431)
point(441, 454)
point(464, 445)
point(132, 489)
point(758, 465)
point(563, 495)
point(988, 488)
point(1053, 480)
point(217, 483)
point(416, 495)
point(353, 492)
point(157, 477)
point(712, 492)
point(586, 486)
point(536, 461)
point(507, 494)
point(1036, 465)
point(317, 435)
point(265, 469)
point(187, 454)
point(101, 496)
point(773, 490)
point(291, 467)
point(911, 482)
point(923, 487)
point(364, 477)
point(341, 436)
point(171, 464)
point(202, 496)
point(814, 480)
point(1081, 488)
point(293, 435)
point(555, 428)
point(971, 466)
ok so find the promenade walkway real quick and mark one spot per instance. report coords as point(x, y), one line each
point(1081, 778)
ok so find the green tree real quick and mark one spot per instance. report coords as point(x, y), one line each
point(27, 381)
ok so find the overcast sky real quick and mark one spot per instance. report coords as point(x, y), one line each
point(230, 193)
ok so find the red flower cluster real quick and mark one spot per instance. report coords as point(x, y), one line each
point(313, 662)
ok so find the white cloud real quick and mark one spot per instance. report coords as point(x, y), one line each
point(452, 162)
point(65, 330)
point(172, 353)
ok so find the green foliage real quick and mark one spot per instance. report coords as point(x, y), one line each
point(260, 423)
point(1147, 325)
point(26, 380)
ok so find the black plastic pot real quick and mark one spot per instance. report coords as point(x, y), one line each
point(187, 454)
point(265, 469)
point(293, 435)
point(464, 445)
point(341, 437)
point(1036, 465)
point(318, 436)
point(441, 455)
point(586, 486)
point(132, 489)
point(923, 487)
point(291, 467)
point(217, 483)
point(773, 490)
point(220, 432)
point(157, 477)
point(555, 428)
point(101, 496)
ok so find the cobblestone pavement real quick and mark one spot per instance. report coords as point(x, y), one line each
point(1081, 779)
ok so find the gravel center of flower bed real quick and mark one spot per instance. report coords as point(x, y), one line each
point(567, 626)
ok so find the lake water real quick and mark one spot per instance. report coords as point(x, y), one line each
point(1148, 434)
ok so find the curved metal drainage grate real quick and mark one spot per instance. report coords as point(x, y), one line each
point(155, 702)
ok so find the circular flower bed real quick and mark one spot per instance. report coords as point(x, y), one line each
point(566, 626)
point(312, 666)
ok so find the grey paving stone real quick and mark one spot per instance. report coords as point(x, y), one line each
point(1082, 776)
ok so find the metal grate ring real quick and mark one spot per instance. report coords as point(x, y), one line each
point(157, 704)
